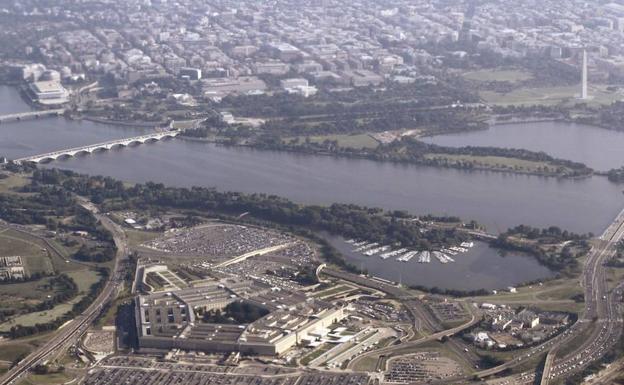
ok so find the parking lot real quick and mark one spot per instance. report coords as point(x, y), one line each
point(142, 371)
point(215, 241)
point(423, 366)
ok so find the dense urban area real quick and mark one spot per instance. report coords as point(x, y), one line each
point(115, 279)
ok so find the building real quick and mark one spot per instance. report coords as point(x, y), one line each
point(170, 320)
point(220, 87)
point(363, 78)
point(298, 86)
point(49, 92)
point(271, 67)
point(293, 83)
point(191, 73)
point(529, 318)
point(12, 267)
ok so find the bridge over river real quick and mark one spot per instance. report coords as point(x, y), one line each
point(88, 149)
point(31, 115)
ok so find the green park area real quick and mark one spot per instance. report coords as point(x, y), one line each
point(503, 75)
point(83, 279)
point(599, 95)
point(495, 162)
point(356, 141)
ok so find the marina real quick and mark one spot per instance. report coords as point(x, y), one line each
point(405, 255)
point(479, 267)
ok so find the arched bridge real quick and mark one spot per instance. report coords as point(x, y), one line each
point(31, 115)
point(50, 156)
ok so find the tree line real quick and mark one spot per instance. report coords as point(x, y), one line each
point(346, 220)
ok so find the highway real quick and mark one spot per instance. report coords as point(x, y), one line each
point(73, 331)
point(600, 314)
point(418, 312)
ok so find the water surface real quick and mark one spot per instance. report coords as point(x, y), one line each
point(598, 148)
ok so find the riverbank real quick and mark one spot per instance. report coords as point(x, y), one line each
point(411, 151)
point(120, 123)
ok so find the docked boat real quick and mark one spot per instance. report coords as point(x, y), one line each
point(443, 258)
point(367, 246)
point(376, 250)
point(392, 253)
point(407, 256)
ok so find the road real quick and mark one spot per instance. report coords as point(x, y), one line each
point(600, 315)
point(418, 312)
point(73, 331)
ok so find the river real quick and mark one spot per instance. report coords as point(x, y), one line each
point(497, 200)
point(11, 102)
point(596, 147)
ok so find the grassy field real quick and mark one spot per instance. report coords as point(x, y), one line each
point(551, 296)
point(32, 252)
point(497, 162)
point(8, 185)
point(25, 292)
point(351, 141)
point(47, 379)
point(334, 291)
point(551, 96)
point(83, 278)
point(510, 75)
point(12, 349)
point(315, 353)
point(136, 237)
point(30, 319)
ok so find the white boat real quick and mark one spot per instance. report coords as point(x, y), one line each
point(376, 250)
point(407, 256)
point(443, 258)
point(367, 246)
point(467, 244)
point(424, 257)
point(392, 253)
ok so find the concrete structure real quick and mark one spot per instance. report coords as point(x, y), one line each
point(584, 94)
point(168, 320)
point(11, 267)
point(99, 146)
point(49, 92)
point(192, 73)
point(31, 115)
point(221, 87)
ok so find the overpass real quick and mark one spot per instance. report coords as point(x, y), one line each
point(31, 115)
point(550, 358)
point(254, 253)
point(88, 149)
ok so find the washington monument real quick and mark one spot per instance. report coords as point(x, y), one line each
point(584, 76)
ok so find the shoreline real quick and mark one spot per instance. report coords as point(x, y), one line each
point(397, 162)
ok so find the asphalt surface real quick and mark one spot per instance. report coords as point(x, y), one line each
point(600, 315)
point(72, 332)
